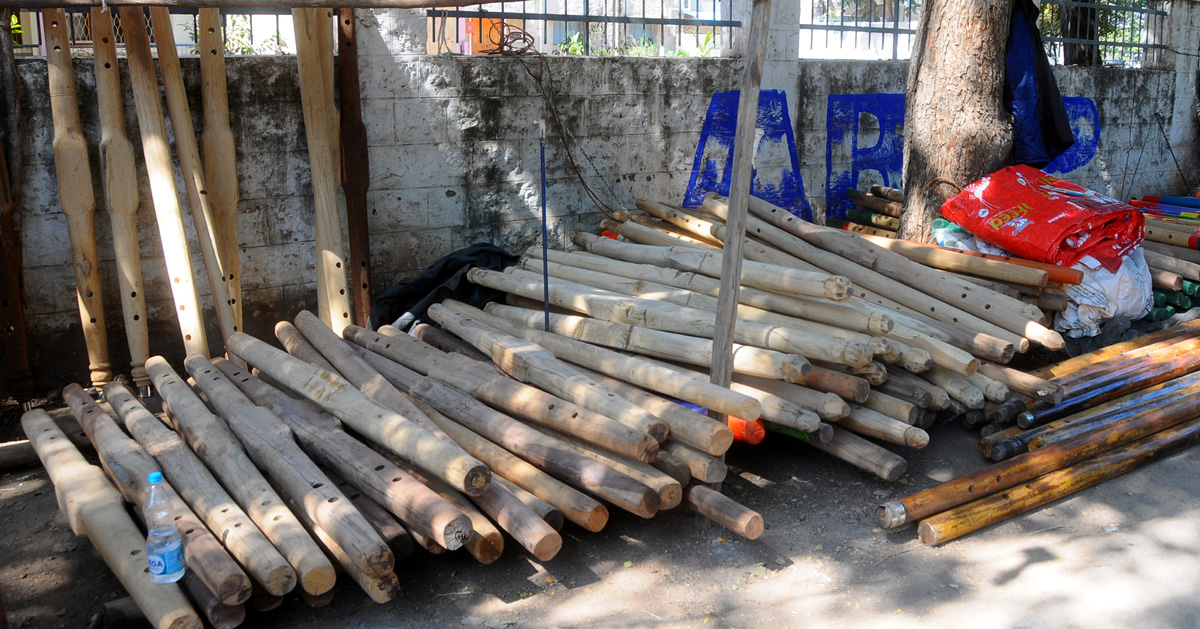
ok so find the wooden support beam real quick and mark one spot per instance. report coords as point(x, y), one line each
point(356, 168)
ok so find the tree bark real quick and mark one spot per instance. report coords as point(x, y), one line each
point(956, 129)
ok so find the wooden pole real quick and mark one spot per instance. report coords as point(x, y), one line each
point(12, 300)
point(161, 171)
point(221, 451)
point(378, 478)
point(74, 174)
point(119, 174)
point(220, 155)
point(948, 260)
point(725, 511)
point(95, 509)
point(333, 300)
point(193, 171)
point(129, 466)
point(356, 168)
point(377, 423)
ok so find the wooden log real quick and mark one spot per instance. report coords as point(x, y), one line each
point(486, 543)
point(216, 614)
point(356, 167)
point(297, 345)
point(548, 453)
point(487, 384)
point(612, 364)
point(196, 484)
point(956, 387)
point(128, 465)
point(820, 310)
point(672, 466)
point(544, 510)
point(263, 601)
point(419, 508)
point(379, 424)
point(95, 509)
point(123, 613)
point(333, 298)
point(691, 222)
point(1126, 348)
point(14, 454)
point(1179, 253)
point(193, 170)
point(828, 406)
point(949, 260)
point(76, 196)
point(447, 342)
point(887, 207)
point(220, 156)
point(161, 171)
point(891, 194)
point(865, 230)
point(1024, 383)
point(380, 588)
point(907, 392)
point(1166, 280)
point(639, 236)
point(216, 445)
point(1172, 264)
point(939, 399)
point(725, 511)
point(385, 524)
point(269, 443)
point(993, 390)
point(528, 362)
point(677, 347)
point(872, 424)
point(669, 317)
point(703, 467)
point(971, 517)
point(687, 426)
point(895, 408)
point(868, 218)
point(322, 600)
point(862, 454)
point(848, 387)
point(119, 175)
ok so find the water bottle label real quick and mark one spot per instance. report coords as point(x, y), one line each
point(169, 562)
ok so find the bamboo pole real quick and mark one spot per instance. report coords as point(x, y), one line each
point(506, 394)
point(119, 174)
point(128, 465)
point(418, 507)
point(220, 157)
point(76, 196)
point(221, 451)
point(377, 423)
point(95, 509)
point(161, 171)
point(948, 260)
point(196, 484)
point(193, 171)
point(725, 511)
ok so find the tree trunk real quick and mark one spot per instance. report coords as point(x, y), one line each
point(1080, 23)
point(956, 129)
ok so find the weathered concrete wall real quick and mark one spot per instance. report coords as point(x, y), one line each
point(453, 144)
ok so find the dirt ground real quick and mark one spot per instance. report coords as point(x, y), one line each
point(1120, 553)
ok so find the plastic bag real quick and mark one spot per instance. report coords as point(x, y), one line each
point(1104, 295)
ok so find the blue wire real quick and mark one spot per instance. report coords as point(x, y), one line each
point(545, 245)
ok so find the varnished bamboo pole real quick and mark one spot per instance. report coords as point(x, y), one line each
point(196, 484)
point(529, 362)
point(960, 521)
point(193, 171)
point(119, 174)
point(508, 395)
point(95, 509)
point(161, 171)
point(318, 433)
point(129, 467)
point(333, 300)
point(220, 156)
point(381, 425)
point(76, 196)
point(223, 454)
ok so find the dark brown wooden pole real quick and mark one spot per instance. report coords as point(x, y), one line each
point(355, 166)
point(12, 302)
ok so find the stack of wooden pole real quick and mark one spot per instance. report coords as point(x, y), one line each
point(1174, 262)
point(1128, 404)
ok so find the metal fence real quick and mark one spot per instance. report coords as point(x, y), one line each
point(1094, 34)
point(246, 31)
point(858, 29)
point(650, 28)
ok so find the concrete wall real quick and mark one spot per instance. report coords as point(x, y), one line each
point(454, 155)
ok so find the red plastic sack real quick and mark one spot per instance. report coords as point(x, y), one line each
point(1041, 217)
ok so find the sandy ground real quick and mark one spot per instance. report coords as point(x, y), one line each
point(1116, 555)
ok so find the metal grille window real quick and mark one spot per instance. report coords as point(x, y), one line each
point(858, 29)
point(1094, 34)
point(647, 28)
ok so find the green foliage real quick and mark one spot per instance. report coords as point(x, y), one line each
point(677, 53)
point(572, 45)
point(706, 45)
point(238, 40)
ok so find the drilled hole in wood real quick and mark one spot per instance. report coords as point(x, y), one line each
point(378, 468)
point(107, 66)
point(276, 518)
point(135, 553)
point(318, 485)
point(338, 265)
point(187, 337)
point(396, 480)
point(176, 280)
point(189, 531)
point(178, 518)
point(264, 503)
point(238, 525)
point(332, 500)
point(225, 510)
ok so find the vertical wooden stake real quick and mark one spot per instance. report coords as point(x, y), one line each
point(162, 180)
point(356, 167)
point(12, 302)
point(220, 157)
point(119, 174)
point(75, 191)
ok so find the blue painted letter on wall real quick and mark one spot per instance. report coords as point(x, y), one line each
point(1085, 126)
point(776, 163)
point(865, 133)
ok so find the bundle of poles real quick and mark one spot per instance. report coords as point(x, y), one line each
point(1171, 252)
point(1126, 405)
point(343, 453)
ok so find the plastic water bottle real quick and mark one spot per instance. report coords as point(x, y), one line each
point(164, 548)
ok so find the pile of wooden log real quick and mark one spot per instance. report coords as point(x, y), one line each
point(1171, 252)
point(1125, 405)
point(342, 454)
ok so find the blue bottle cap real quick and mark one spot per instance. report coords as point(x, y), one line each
point(155, 478)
